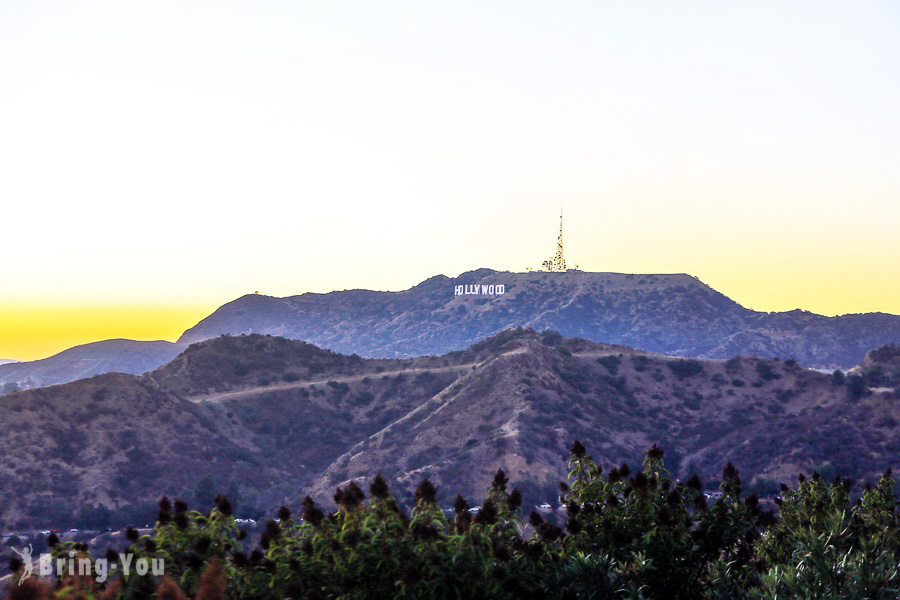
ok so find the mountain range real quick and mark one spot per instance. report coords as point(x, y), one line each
point(675, 315)
point(269, 420)
point(119, 355)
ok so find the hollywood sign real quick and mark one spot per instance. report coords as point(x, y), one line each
point(479, 290)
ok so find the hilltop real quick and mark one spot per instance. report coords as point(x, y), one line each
point(271, 419)
point(676, 315)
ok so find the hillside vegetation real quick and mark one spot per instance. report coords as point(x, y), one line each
point(269, 420)
point(625, 536)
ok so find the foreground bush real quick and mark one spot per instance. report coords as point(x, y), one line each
point(638, 535)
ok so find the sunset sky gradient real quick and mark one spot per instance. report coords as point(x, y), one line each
point(158, 159)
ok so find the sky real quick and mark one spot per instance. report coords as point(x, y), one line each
point(161, 158)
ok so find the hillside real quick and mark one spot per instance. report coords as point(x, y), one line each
point(521, 409)
point(112, 442)
point(272, 419)
point(880, 367)
point(124, 356)
point(675, 315)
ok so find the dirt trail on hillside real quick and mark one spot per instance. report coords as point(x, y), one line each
point(301, 384)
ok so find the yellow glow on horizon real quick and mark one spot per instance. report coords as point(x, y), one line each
point(31, 332)
point(157, 161)
point(784, 292)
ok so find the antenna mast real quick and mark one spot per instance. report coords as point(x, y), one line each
point(559, 260)
point(557, 263)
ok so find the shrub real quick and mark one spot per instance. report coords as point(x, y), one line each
point(241, 370)
point(856, 387)
point(685, 368)
point(766, 372)
point(626, 534)
point(610, 363)
point(340, 389)
point(363, 398)
point(640, 362)
point(551, 338)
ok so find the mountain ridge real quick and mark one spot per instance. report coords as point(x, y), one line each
point(672, 314)
point(87, 360)
point(273, 419)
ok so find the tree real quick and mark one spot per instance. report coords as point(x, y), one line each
point(856, 387)
point(837, 378)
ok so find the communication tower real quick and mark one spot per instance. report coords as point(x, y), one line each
point(557, 262)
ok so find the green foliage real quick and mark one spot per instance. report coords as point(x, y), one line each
point(825, 548)
point(661, 538)
point(627, 535)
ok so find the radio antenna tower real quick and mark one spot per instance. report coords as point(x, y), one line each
point(557, 263)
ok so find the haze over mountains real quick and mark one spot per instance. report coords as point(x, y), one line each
point(675, 315)
point(124, 356)
point(269, 419)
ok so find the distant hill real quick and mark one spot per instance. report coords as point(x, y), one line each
point(272, 419)
point(124, 356)
point(6, 361)
point(676, 315)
